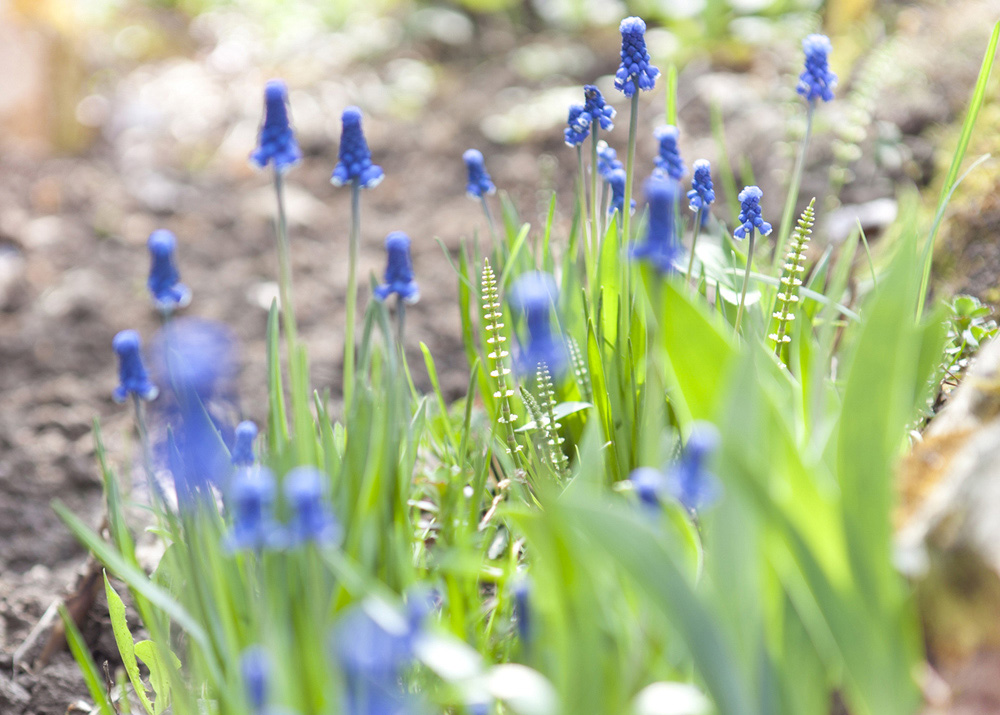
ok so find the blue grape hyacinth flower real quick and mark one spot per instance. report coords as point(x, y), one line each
point(616, 180)
point(533, 296)
point(251, 503)
point(255, 668)
point(577, 126)
point(194, 357)
point(607, 160)
point(661, 246)
point(399, 270)
point(522, 608)
point(635, 71)
point(750, 214)
point(354, 157)
point(132, 376)
point(480, 184)
point(688, 481)
point(648, 483)
point(702, 194)
point(669, 158)
point(597, 108)
point(164, 283)
point(276, 141)
point(312, 520)
point(816, 80)
point(242, 452)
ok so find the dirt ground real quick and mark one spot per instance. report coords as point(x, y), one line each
point(166, 144)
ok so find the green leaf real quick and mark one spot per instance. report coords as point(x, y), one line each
point(563, 409)
point(126, 648)
point(159, 673)
point(91, 675)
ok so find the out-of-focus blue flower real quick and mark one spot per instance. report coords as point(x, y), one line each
point(669, 159)
point(255, 666)
point(355, 159)
point(242, 452)
point(661, 247)
point(635, 71)
point(193, 356)
point(480, 184)
point(648, 484)
point(277, 140)
point(533, 296)
point(522, 609)
point(616, 180)
point(132, 375)
point(816, 80)
point(251, 503)
point(688, 480)
point(164, 279)
point(399, 270)
point(312, 519)
point(701, 195)
point(750, 214)
point(607, 160)
point(577, 126)
point(595, 106)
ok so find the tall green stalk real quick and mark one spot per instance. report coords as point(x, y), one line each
point(746, 282)
point(694, 240)
point(284, 265)
point(595, 232)
point(352, 292)
point(788, 214)
point(633, 124)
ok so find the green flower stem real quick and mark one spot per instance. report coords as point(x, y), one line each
point(400, 321)
point(633, 124)
point(787, 215)
point(147, 450)
point(746, 282)
point(284, 265)
point(595, 234)
point(352, 293)
point(604, 208)
point(489, 218)
point(694, 241)
point(588, 253)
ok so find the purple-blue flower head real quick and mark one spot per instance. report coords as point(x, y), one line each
point(534, 296)
point(648, 484)
point(750, 214)
point(701, 195)
point(355, 158)
point(607, 160)
point(522, 608)
point(635, 71)
point(816, 80)
point(242, 452)
point(660, 247)
point(276, 142)
point(132, 376)
point(597, 108)
point(577, 126)
point(251, 503)
point(164, 279)
point(669, 159)
point(312, 520)
point(616, 180)
point(398, 270)
point(193, 357)
point(255, 667)
point(480, 184)
point(688, 480)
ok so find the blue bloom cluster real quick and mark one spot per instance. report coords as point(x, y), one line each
point(251, 503)
point(750, 214)
point(242, 452)
point(688, 481)
point(164, 279)
point(132, 376)
point(816, 80)
point(276, 142)
point(312, 520)
point(577, 126)
point(661, 247)
point(355, 158)
point(702, 194)
point(635, 71)
point(596, 108)
point(607, 160)
point(480, 184)
point(399, 270)
point(616, 180)
point(533, 296)
point(522, 609)
point(669, 159)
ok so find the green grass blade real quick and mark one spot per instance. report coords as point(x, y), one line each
point(91, 675)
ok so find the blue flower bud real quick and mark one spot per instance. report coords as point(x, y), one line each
point(750, 214)
point(276, 141)
point(635, 71)
point(399, 270)
point(533, 296)
point(251, 503)
point(255, 667)
point(242, 453)
point(577, 126)
point(480, 184)
point(595, 106)
point(312, 519)
point(701, 195)
point(669, 160)
point(164, 279)
point(522, 609)
point(816, 80)
point(132, 375)
point(660, 247)
point(607, 160)
point(355, 159)
point(688, 480)
point(616, 180)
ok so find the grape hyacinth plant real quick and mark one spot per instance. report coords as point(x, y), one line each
point(168, 293)
point(700, 198)
point(601, 117)
point(751, 221)
point(399, 279)
point(661, 247)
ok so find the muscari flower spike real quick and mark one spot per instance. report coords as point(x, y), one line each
point(648, 484)
point(816, 80)
point(577, 126)
point(312, 519)
point(688, 481)
point(399, 270)
point(251, 502)
point(533, 296)
point(194, 357)
point(255, 667)
point(607, 160)
point(132, 376)
point(355, 158)
point(276, 142)
point(480, 184)
point(242, 453)
point(522, 608)
point(701, 195)
point(669, 159)
point(595, 106)
point(616, 180)
point(660, 248)
point(750, 214)
point(635, 71)
point(164, 279)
